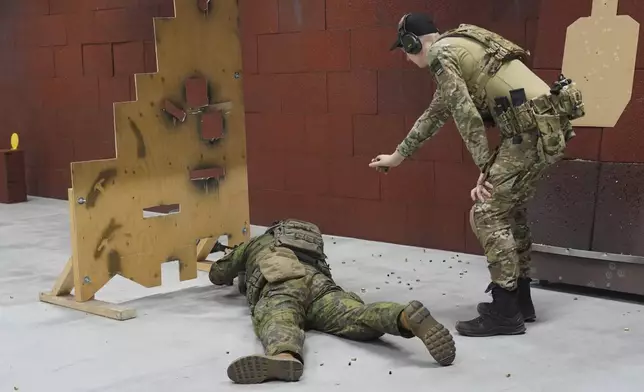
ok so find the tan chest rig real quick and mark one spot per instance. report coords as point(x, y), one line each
point(498, 51)
point(294, 242)
point(565, 99)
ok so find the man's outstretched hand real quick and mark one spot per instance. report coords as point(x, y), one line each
point(383, 162)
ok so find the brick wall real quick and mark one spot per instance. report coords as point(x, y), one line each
point(64, 63)
point(323, 95)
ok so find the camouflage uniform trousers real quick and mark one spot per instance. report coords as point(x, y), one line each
point(314, 302)
point(500, 222)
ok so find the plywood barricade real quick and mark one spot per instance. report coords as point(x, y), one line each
point(181, 149)
point(599, 57)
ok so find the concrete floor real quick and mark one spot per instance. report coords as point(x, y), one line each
point(186, 333)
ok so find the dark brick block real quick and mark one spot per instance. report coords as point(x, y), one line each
point(377, 134)
point(277, 133)
point(561, 213)
point(411, 183)
point(258, 17)
point(369, 49)
point(453, 184)
point(342, 14)
point(112, 90)
point(301, 15)
point(353, 178)
point(97, 60)
point(404, 91)
point(302, 93)
point(353, 92)
point(261, 93)
point(552, 24)
point(308, 51)
point(329, 135)
point(13, 185)
point(624, 142)
point(634, 9)
point(366, 219)
point(619, 224)
point(68, 61)
point(249, 54)
point(129, 58)
point(586, 144)
point(306, 175)
point(267, 206)
point(435, 227)
point(266, 171)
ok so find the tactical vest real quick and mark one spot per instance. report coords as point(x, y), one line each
point(298, 235)
point(498, 52)
point(304, 239)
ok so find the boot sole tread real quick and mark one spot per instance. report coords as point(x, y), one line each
point(434, 335)
point(255, 369)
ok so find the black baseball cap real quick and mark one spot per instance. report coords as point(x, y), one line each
point(416, 23)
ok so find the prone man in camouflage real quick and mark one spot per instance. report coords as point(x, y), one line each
point(481, 76)
point(289, 288)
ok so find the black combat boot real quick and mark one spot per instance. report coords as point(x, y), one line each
point(503, 317)
point(524, 300)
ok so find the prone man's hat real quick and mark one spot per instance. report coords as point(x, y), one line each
point(415, 23)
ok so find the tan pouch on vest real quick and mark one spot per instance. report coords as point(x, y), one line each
point(552, 143)
point(281, 265)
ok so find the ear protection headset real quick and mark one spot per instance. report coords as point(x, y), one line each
point(410, 42)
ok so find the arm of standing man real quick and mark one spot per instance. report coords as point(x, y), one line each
point(444, 65)
point(426, 126)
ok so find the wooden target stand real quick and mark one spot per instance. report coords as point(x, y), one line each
point(180, 153)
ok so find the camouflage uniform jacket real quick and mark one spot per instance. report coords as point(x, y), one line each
point(243, 258)
point(246, 257)
point(454, 61)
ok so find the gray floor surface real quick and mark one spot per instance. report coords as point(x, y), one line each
point(186, 333)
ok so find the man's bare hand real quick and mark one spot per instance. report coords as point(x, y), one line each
point(482, 189)
point(384, 162)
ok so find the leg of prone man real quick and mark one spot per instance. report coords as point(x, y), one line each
point(278, 320)
point(344, 314)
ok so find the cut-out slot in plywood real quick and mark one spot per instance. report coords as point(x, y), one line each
point(162, 160)
point(599, 57)
point(160, 210)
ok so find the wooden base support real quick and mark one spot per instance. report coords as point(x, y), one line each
point(60, 295)
point(204, 265)
point(99, 308)
point(203, 250)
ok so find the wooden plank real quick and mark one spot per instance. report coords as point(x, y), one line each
point(96, 307)
point(65, 281)
point(204, 266)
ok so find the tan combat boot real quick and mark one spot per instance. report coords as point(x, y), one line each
point(255, 369)
point(435, 336)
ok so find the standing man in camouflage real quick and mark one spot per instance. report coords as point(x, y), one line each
point(482, 76)
point(289, 287)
